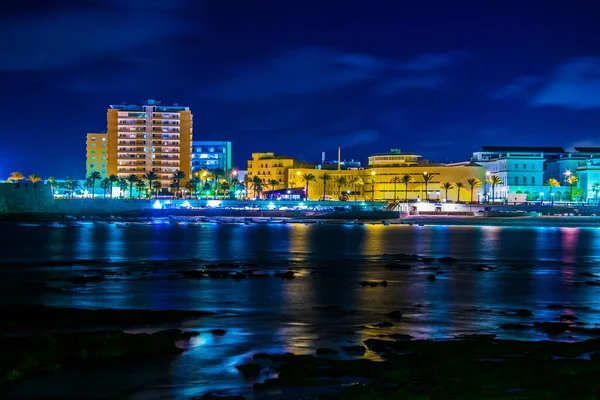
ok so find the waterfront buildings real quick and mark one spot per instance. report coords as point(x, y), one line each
point(271, 169)
point(583, 163)
point(96, 150)
point(211, 156)
point(150, 137)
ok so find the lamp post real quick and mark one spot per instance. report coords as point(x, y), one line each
point(542, 198)
point(487, 186)
point(373, 190)
point(425, 181)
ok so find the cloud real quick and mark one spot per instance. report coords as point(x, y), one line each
point(404, 84)
point(519, 88)
point(431, 61)
point(62, 38)
point(575, 85)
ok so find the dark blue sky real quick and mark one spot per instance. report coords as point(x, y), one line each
point(299, 77)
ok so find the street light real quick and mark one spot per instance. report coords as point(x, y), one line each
point(542, 198)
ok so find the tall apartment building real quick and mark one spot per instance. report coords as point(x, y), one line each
point(149, 137)
point(211, 155)
point(96, 159)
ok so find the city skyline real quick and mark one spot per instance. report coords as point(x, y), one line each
point(439, 81)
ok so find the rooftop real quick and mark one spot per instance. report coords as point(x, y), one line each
point(522, 149)
point(588, 149)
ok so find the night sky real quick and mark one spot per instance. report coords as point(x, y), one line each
point(440, 78)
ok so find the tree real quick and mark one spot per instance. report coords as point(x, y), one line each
point(132, 179)
point(307, 178)
point(123, 185)
point(325, 177)
point(177, 177)
point(247, 182)
point(156, 186)
point(458, 185)
point(578, 193)
point(494, 180)
point(371, 181)
point(113, 179)
point(257, 186)
point(94, 176)
point(140, 185)
point(53, 184)
point(87, 184)
point(405, 180)
point(224, 187)
point(426, 179)
point(71, 184)
point(106, 185)
point(552, 183)
point(33, 178)
point(571, 181)
point(396, 180)
point(356, 181)
point(16, 177)
point(273, 183)
point(473, 183)
point(151, 177)
point(447, 186)
point(192, 185)
point(340, 181)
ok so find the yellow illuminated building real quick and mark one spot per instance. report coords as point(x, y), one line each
point(150, 137)
point(271, 169)
point(96, 150)
point(377, 180)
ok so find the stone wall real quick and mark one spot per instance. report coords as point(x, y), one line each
point(19, 198)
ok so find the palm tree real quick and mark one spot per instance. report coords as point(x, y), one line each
point(356, 181)
point(94, 176)
point(494, 180)
point(123, 185)
point(596, 189)
point(447, 186)
point(396, 180)
point(473, 183)
point(151, 177)
point(307, 178)
point(105, 185)
point(426, 179)
point(53, 184)
point(247, 182)
point(273, 183)
point(340, 181)
point(16, 177)
point(192, 185)
point(71, 184)
point(140, 185)
point(405, 180)
point(571, 180)
point(33, 178)
point(552, 183)
point(224, 187)
point(87, 184)
point(156, 186)
point(131, 179)
point(458, 186)
point(371, 181)
point(257, 186)
point(113, 179)
point(326, 177)
point(177, 177)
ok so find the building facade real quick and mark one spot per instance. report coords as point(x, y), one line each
point(211, 156)
point(271, 169)
point(96, 150)
point(583, 164)
point(520, 169)
point(150, 137)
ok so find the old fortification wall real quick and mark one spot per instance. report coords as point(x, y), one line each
point(24, 198)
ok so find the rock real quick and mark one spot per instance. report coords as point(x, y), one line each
point(384, 324)
point(592, 283)
point(447, 260)
point(428, 260)
point(551, 327)
point(516, 327)
point(249, 370)
point(431, 278)
point(524, 313)
point(588, 274)
point(476, 336)
point(394, 315)
point(369, 283)
point(355, 349)
point(595, 356)
point(566, 317)
point(374, 284)
point(383, 283)
point(397, 266)
point(400, 336)
point(323, 351)
point(86, 279)
point(286, 275)
point(218, 332)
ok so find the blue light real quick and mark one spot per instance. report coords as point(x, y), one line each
point(157, 205)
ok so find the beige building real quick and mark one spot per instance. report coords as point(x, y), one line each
point(271, 169)
point(150, 137)
point(376, 181)
point(96, 151)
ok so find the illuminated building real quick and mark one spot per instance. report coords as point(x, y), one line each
point(211, 156)
point(269, 168)
point(149, 137)
point(583, 163)
point(96, 150)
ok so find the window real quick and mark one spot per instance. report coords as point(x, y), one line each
point(524, 180)
point(516, 180)
point(533, 180)
point(524, 166)
point(516, 166)
point(532, 166)
point(93, 158)
point(104, 139)
point(93, 151)
point(93, 138)
point(93, 144)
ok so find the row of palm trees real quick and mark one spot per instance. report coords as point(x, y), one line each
point(17, 177)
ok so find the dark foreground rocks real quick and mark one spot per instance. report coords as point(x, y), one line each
point(480, 367)
point(19, 317)
point(25, 356)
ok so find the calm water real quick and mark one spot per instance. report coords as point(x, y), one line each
point(534, 267)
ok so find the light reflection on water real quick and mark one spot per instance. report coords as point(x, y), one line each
point(534, 267)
